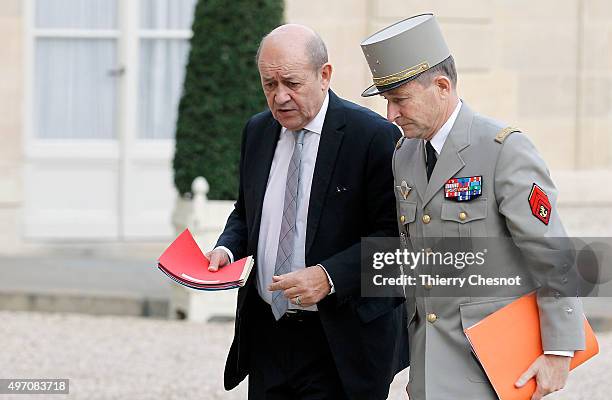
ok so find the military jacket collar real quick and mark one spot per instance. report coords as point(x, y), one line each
point(449, 162)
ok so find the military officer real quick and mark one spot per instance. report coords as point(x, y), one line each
point(507, 192)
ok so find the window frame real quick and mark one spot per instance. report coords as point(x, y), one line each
point(128, 36)
point(126, 157)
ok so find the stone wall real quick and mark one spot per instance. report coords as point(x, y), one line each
point(543, 66)
point(11, 121)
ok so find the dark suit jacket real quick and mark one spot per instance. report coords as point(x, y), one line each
point(351, 197)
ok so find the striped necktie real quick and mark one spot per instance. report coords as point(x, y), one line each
point(286, 240)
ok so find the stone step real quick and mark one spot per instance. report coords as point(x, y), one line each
point(85, 303)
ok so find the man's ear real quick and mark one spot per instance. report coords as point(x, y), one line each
point(326, 73)
point(444, 85)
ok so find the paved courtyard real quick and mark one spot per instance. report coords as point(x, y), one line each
point(138, 358)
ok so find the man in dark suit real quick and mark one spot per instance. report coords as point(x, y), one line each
point(315, 177)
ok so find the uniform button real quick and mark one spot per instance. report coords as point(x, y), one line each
point(426, 219)
point(432, 318)
point(428, 250)
point(462, 216)
point(428, 287)
point(402, 219)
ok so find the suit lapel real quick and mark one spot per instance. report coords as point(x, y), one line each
point(450, 161)
point(329, 145)
point(266, 146)
point(417, 165)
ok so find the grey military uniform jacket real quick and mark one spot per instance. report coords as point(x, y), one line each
point(442, 366)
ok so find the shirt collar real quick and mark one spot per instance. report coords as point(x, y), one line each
point(438, 140)
point(316, 124)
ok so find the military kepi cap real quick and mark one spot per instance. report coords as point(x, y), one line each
point(402, 51)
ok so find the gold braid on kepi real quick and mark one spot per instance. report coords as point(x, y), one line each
point(402, 51)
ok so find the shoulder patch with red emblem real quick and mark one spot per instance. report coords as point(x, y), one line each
point(539, 203)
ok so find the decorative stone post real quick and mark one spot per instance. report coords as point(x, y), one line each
point(206, 220)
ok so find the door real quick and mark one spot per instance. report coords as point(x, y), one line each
point(103, 82)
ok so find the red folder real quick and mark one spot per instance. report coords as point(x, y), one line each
point(184, 262)
point(508, 341)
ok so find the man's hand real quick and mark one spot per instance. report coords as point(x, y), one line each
point(550, 372)
point(218, 258)
point(310, 284)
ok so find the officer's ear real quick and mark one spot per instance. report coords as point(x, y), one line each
point(444, 85)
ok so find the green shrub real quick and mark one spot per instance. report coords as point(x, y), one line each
point(221, 91)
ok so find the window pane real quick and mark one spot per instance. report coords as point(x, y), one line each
point(76, 14)
point(74, 92)
point(166, 14)
point(162, 70)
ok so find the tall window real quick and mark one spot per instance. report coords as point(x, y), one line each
point(75, 90)
point(77, 72)
point(164, 45)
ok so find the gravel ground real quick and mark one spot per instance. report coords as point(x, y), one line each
point(137, 358)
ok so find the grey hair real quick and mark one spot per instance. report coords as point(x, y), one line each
point(316, 51)
point(446, 68)
point(315, 48)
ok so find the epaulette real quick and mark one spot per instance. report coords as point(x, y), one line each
point(504, 133)
point(399, 143)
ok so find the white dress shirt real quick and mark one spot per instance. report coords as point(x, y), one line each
point(274, 199)
point(437, 141)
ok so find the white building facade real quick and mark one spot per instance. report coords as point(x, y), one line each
point(89, 92)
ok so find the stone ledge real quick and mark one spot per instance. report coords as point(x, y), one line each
point(84, 303)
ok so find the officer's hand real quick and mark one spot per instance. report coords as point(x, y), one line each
point(550, 372)
point(310, 284)
point(218, 258)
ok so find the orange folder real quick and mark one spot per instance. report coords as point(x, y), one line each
point(508, 341)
